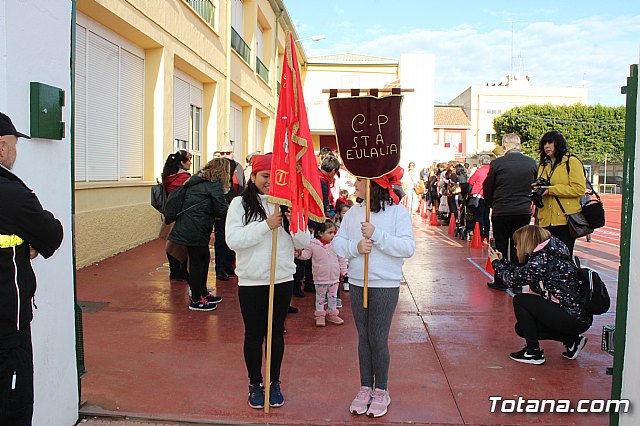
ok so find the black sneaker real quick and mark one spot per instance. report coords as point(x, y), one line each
point(202, 305)
point(256, 395)
point(213, 299)
point(275, 395)
point(575, 348)
point(528, 356)
point(494, 286)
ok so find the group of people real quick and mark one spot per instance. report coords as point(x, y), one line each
point(513, 188)
point(538, 256)
point(334, 256)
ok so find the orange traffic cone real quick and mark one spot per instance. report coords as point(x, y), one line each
point(434, 218)
point(476, 241)
point(452, 225)
point(489, 267)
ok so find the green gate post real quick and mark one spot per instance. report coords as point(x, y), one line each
point(631, 90)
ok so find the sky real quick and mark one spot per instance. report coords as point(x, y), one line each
point(557, 43)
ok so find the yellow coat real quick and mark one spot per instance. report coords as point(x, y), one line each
point(568, 187)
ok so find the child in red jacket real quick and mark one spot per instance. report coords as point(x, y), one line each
point(327, 270)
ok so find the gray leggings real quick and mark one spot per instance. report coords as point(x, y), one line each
point(373, 326)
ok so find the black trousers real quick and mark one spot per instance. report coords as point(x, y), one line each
point(177, 270)
point(199, 259)
point(16, 380)
point(225, 257)
point(482, 216)
point(562, 233)
point(503, 229)
point(254, 305)
point(542, 319)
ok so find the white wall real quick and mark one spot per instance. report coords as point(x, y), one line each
point(417, 71)
point(35, 40)
point(631, 372)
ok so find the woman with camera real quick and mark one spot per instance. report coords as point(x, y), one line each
point(556, 311)
point(559, 186)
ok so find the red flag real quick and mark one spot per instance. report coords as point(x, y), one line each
point(295, 179)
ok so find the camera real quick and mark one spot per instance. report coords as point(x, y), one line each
point(538, 190)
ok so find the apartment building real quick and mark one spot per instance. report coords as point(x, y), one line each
point(482, 103)
point(155, 76)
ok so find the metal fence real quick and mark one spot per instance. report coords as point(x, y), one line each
point(205, 9)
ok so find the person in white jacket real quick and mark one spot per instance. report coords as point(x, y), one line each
point(250, 221)
point(388, 239)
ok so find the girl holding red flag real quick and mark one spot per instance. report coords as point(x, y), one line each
point(250, 221)
point(388, 239)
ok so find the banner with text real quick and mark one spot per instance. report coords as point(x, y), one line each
point(368, 133)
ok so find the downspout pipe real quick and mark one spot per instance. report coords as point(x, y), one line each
point(227, 124)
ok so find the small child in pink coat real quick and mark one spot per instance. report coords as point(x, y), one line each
point(327, 270)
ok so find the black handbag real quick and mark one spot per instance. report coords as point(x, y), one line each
point(593, 210)
point(577, 223)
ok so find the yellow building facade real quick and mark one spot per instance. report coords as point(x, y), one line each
point(155, 76)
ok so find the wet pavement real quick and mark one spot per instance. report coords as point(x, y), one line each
point(149, 358)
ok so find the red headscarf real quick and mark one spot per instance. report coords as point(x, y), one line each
point(260, 163)
point(392, 178)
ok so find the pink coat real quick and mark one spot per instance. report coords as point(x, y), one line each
point(477, 179)
point(327, 266)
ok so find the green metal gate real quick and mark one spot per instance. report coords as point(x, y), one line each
point(631, 90)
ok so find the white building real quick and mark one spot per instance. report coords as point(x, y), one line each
point(482, 103)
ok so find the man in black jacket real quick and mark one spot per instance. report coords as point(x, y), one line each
point(506, 190)
point(26, 230)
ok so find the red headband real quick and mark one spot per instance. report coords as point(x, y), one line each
point(260, 163)
point(392, 178)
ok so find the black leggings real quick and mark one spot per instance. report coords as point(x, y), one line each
point(254, 305)
point(542, 319)
point(199, 259)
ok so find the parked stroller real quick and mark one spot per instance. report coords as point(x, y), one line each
point(466, 218)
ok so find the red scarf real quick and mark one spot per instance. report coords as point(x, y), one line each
point(392, 178)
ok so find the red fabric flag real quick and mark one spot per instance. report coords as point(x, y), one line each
point(295, 179)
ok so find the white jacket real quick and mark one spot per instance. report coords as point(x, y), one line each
point(392, 242)
point(252, 244)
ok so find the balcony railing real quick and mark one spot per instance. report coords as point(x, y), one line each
point(238, 44)
point(205, 9)
point(263, 71)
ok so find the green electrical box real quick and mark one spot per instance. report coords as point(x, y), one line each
point(46, 111)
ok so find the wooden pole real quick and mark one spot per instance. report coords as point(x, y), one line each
point(272, 280)
point(365, 298)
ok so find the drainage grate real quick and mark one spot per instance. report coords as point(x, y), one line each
point(91, 307)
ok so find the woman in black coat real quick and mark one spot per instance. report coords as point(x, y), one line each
point(203, 201)
point(556, 311)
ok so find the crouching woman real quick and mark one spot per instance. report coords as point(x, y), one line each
point(556, 309)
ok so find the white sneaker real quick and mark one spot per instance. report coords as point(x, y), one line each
point(379, 403)
point(345, 286)
point(339, 303)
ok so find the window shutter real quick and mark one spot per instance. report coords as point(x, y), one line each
point(131, 115)
point(181, 102)
point(102, 96)
point(80, 134)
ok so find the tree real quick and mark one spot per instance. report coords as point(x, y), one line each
point(591, 131)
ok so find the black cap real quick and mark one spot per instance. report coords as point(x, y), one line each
point(7, 127)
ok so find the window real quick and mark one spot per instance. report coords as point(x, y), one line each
point(494, 111)
point(491, 138)
point(109, 107)
point(235, 130)
point(237, 16)
point(187, 117)
point(261, 68)
point(453, 140)
point(259, 139)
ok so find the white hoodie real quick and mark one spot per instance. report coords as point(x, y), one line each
point(252, 244)
point(392, 242)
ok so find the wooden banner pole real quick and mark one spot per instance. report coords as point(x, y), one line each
point(365, 299)
point(272, 280)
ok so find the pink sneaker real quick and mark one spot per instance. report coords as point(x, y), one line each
point(320, 322)
point(361, 402)
point(379, 403)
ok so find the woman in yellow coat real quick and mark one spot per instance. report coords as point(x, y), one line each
point(566, 184)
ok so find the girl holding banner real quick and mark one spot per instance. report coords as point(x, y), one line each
point(388, 239)
point(249, 230)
